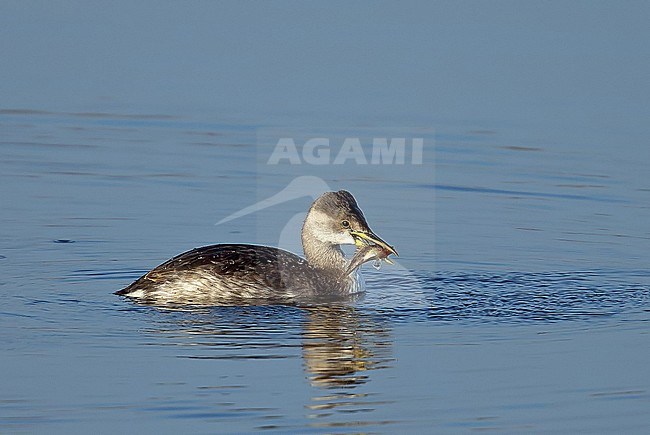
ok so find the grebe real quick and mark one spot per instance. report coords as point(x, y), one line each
point(242, 273)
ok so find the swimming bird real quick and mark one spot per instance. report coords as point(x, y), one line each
point(245, 273)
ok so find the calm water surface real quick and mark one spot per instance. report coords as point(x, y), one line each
point(520, 302)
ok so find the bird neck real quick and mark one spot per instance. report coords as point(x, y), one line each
point(323, 255)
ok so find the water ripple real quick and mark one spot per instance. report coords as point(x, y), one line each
point(547, 195)
point(511, 297)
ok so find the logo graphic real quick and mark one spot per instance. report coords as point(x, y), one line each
point(298, 188)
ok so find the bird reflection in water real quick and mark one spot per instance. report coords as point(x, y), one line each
point(340, 346)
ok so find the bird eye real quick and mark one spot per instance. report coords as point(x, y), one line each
point(345, 224)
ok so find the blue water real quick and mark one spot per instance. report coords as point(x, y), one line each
point(520, 300)
point(493, 320)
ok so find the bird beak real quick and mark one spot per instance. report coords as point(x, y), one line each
point(363, 238)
